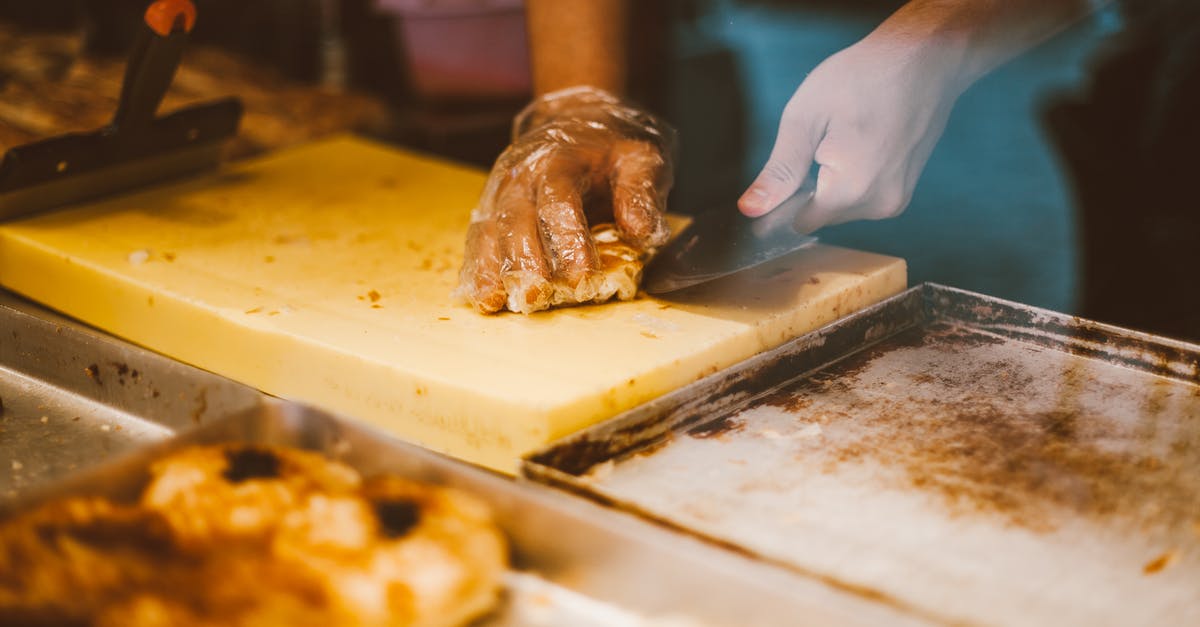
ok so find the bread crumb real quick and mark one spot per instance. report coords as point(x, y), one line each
point(105, 427)
point(140, 256)
point(16, 465)
point(45, 419)
point(1159, 563)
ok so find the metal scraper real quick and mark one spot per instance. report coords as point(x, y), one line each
point(136, 148)
point(722, 241)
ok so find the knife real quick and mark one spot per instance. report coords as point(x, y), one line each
point(721, 241)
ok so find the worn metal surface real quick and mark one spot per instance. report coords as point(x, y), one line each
point(71, 396)
point(575, 563)
point(955, 456)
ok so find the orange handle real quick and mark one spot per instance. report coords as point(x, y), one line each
point(164, 15)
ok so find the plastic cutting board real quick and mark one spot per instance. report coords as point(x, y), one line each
point(324, 274)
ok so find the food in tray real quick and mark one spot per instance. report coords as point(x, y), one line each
point(250, 535)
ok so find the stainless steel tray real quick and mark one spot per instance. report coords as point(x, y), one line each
point(71, 396)
point(576, 563)
point(962, 458)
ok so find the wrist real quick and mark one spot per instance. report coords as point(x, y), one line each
point(933, 44)
point(569, 100)
point(596, 108)
point(972, 38)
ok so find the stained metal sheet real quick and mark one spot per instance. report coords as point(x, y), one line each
point(959, 457)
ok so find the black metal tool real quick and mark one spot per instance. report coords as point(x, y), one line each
point(136, 148)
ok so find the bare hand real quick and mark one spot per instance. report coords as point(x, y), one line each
point(868, 117)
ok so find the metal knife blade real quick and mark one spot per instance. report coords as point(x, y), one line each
point(722, 241)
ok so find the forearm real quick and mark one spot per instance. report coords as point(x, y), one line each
point(979, 34)
point(578, 42)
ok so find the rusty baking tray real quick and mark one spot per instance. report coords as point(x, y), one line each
point(957, 457)
point(71, 395)
point(575, 563)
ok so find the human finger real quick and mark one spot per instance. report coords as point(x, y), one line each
point(788, 165)
point(480, 275)
point(524, 267)
point(564, 227)
point(845, 194)
point(640, 179)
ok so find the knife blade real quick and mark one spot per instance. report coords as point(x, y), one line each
point(721, 241)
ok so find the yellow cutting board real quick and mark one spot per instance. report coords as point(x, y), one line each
point(324, 274)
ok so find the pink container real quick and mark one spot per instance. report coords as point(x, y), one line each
point(463, 49)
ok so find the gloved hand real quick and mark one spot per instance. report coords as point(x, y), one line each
point(578, 156)
point(868, 117)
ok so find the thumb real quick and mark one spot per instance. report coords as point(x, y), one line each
point(785, 171)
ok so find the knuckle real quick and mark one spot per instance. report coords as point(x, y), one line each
point(796, 109)
point(856, 191)
point(891, 203)
point(643, 163)
point(781, 170)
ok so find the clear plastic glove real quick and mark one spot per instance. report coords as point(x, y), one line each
point(868, 117)
point(579, 156)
